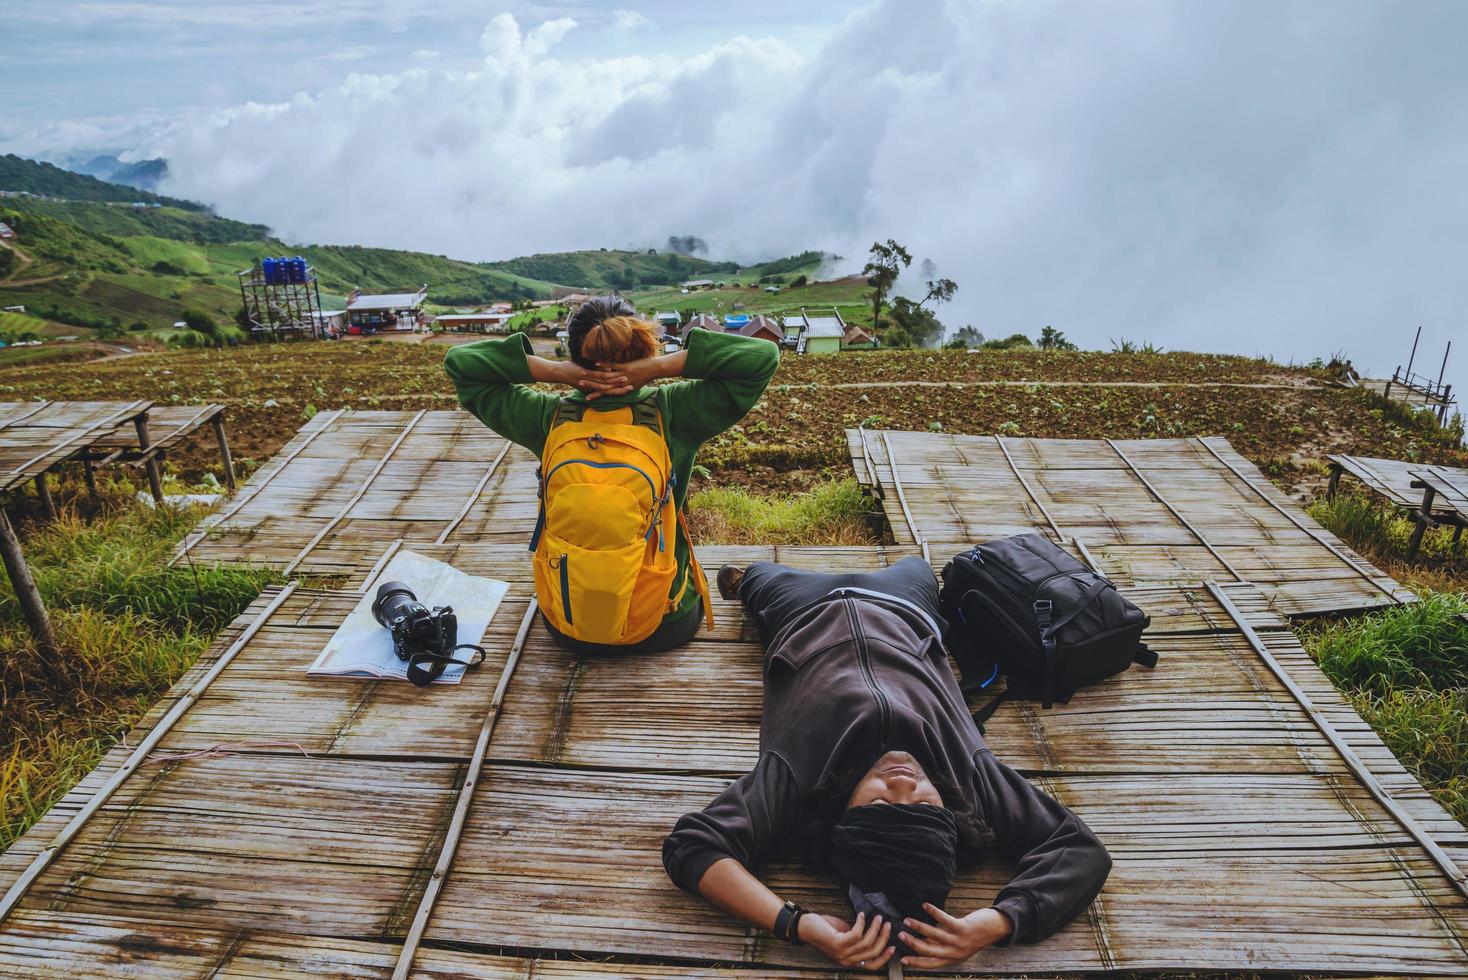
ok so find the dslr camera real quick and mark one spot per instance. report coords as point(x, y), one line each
point(425, 638)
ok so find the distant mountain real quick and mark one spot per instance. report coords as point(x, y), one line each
point(18, 174)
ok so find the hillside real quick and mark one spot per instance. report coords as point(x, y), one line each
point(607, 269)
point(164, 222)
point(31, 177)
point(95, 261)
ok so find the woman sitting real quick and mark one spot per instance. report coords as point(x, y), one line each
point(614, 569)
point(870, 759)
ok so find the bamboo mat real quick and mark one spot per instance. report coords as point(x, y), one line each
point(1150, 511)
point(1393, 479)
point(350, 482)
point(35, 436)
point(1242, 841)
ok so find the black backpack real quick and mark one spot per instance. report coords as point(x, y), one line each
point(1022, 607)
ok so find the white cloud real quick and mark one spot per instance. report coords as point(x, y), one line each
point(625, 21)
point(424, 54)
point(1238, 177)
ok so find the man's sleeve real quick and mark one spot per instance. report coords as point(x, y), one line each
point(727, 375)
point(490, 377)
point(1061, 865)
point(751, 820)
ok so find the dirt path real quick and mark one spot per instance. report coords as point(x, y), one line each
point(25, 260)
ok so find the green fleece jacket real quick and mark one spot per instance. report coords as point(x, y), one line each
point(725, 376)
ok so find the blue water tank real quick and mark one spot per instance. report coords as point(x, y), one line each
point(267, 266)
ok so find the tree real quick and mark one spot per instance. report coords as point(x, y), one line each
point(884, 264)
point(939, 291)
point(912, 325)
point(968, 336)
point(1052, 339)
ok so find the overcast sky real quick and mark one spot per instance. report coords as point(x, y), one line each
point(1256, 177)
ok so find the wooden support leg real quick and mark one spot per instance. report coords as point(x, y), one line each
point(1423, 518)
point(89, 473)
point(1457, 535)
point(155, 480)
point(48, 506)
point(1335, 480)
point(26, 592)
point(224, 450)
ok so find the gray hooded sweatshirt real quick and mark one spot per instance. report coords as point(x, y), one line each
point(847, 679)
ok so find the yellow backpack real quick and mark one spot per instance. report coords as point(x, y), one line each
point(604, 541)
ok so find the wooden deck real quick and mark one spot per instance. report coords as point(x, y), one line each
point(1430, 494)
point(36, 436)
point(1148, 511)
point(351, 482)
point(1243, 839)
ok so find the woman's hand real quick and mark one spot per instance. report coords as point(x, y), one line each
point(638, 373)
point(594, 382)
point(863, 945)
point(949, 940)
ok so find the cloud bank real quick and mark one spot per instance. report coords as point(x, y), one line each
point(1245, 176)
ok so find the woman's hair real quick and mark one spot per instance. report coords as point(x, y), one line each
point(607, 329)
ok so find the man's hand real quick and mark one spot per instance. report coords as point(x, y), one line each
point(863, 945)
point(952, 940)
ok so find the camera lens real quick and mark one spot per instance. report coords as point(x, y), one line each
point(394, 601)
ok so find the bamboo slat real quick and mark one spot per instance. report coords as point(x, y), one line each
point(351, 482)
point(1153, 511)
point(106, 947)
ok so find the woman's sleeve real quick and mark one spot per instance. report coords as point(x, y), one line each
point(727, 375)
point(490, 377)
point(751, 820)
point(1060, 863)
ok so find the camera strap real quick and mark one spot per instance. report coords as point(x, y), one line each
point(425, 666)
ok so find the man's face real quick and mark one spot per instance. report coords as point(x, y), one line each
point(895, 778)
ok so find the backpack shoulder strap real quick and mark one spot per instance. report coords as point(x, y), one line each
point(987, 711)
point(645, 412)
point(568, 410)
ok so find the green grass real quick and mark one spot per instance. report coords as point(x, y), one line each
point(20, 326)
point(831, 513)
point(128, 628)
point(1428, 731)
point(1418, 645)
point(1406, 671)
point(1377, 528)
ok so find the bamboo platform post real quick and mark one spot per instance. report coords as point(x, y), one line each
point(1335, 480)
point(155, 480)
point(26, 592)
point(43, 492)
point(1422, 517)
point(224, 457)
point(89, 474)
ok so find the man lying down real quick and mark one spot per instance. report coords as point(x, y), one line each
point(870, 762)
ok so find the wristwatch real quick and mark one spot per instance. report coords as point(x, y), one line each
point(787, 923)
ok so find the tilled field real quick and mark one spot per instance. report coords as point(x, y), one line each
point(1284, 420)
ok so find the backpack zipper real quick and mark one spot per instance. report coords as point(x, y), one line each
point(566, 587)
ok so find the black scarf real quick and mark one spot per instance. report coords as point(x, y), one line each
point(893, 857)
